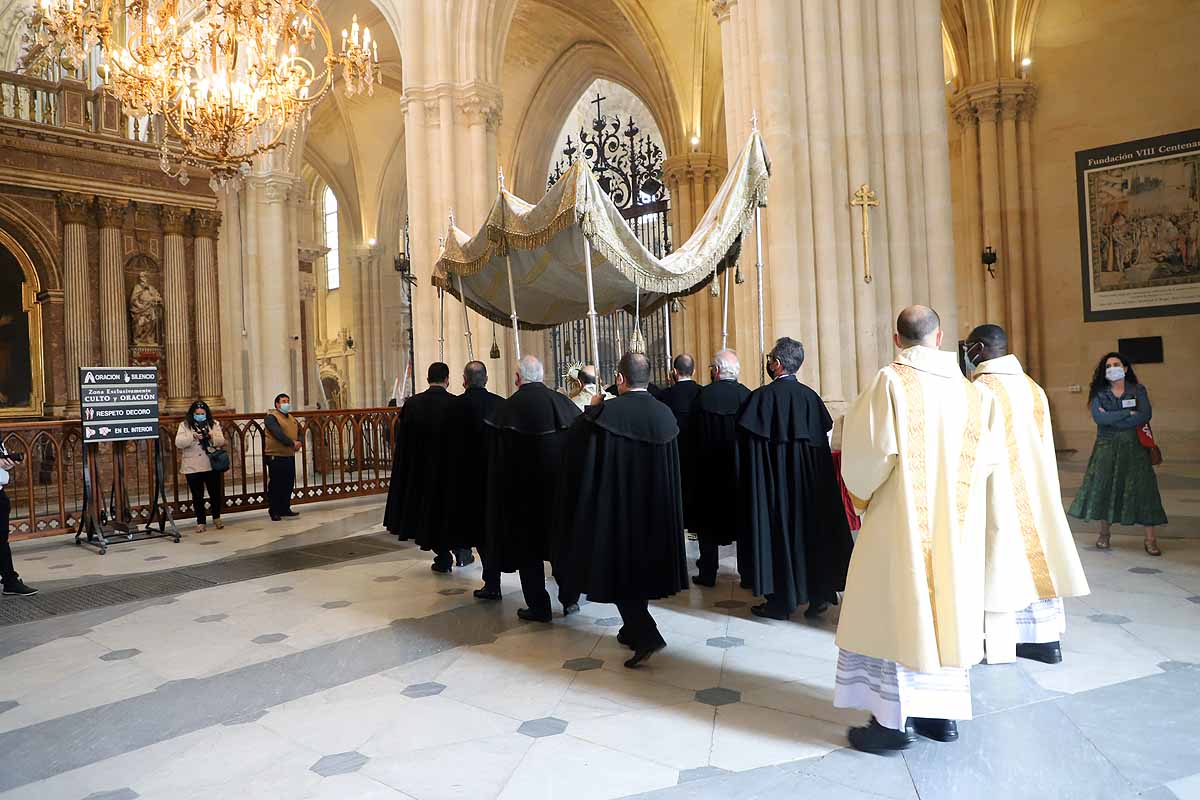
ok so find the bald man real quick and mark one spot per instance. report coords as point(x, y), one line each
point(1032, 562)
point(917, 450)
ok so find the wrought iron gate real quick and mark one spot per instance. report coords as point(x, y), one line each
point(629, 169)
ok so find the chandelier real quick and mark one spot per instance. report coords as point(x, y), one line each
point(224, 80)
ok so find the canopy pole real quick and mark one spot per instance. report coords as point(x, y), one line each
point(512, 304)
point(441, 324)
point(762, 329)
point(667, 332)
point(466, 319)
point(594, 325)
point(725, 313)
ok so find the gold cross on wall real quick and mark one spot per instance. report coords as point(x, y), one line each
point(865, 198)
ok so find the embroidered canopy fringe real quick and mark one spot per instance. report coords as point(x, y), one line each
point(544, 244)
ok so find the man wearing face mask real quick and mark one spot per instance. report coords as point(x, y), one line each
point(795, 544)
point(279, 449)
point(1031, 558)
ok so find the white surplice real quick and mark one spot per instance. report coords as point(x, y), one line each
point(1031, 555)
point(917, 447)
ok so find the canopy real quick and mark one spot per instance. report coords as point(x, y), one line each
point(543, 244)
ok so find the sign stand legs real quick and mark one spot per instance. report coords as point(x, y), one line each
point(160, 509)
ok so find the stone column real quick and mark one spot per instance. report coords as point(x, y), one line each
point(175, 301)
point(845, 94)
point(1033, 356)
point(692, 179)
point(972, 249)
point(75, 210)
point(1013, 248)
point(114, 329)
point(276, 276)
point(205, 228)
point(987, 106)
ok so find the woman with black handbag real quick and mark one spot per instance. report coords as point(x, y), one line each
point(203, 460)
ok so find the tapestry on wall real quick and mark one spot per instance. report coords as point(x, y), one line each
point(1139, 227)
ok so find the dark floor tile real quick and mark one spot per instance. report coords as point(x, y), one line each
point(1146, 727)
point(1033, 752)
point(999, 687)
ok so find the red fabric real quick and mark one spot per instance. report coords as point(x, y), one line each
point(847, 503)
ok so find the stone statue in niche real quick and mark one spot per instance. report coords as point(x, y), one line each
point(145, 310)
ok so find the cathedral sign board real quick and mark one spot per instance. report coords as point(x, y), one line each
point(1139, 227)
point(118, 404)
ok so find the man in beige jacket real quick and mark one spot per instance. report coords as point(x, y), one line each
point(1032, 562)
point(916, 453)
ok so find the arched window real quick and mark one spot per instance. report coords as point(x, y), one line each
point(333, 268)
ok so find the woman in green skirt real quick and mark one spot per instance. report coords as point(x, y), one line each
point(1119, 485)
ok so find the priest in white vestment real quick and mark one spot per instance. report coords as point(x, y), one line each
point(916, 453)
point(1031, 558)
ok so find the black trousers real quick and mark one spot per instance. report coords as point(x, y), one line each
point(491, 573)
point(198, 483)
point(640, 631)
point(8, 573)
point(709, 558)
point(281, 479)
point(533, 586)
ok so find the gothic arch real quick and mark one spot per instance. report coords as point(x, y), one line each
point(28, 302)
point(30, 233)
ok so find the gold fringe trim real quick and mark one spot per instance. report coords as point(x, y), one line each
point(915, 400)
point(1035, 552)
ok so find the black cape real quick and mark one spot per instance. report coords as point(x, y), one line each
point(622, 512)
point(679, 399)
point(526, 451)
point(468, 475)
point(795, 542)
point(712, 441)
point(652, 388)
point(416, 496)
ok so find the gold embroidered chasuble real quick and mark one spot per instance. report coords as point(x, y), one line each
point(917, 447)
point(1031, 554)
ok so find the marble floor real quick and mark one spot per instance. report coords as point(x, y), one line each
point(375, 678)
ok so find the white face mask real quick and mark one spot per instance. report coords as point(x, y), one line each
point(1114, 373)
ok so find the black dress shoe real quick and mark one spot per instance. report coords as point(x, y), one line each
point(765, 610)
point(815, 610)
point(641, 656)
point(1046, 652)
point(440, 567)
point(275, 518)
point(464, 557)
point(290, 514)
point(529, 615)
point(940, 730)
point(701, 580)
point(487, 593)
point(18, 589)
point(874, 738)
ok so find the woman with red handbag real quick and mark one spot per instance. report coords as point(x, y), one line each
point(1119, 486)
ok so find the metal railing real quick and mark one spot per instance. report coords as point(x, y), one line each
point(346, 453)
point(70, 104)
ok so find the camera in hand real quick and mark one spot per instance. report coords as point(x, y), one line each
point(14, 457)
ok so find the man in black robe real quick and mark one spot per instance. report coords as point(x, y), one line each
point(468, 484)
point(622, 516)
point(712, 435)
point(526, 453)
point(416, 507)
point(796, 543)
point(679, 398)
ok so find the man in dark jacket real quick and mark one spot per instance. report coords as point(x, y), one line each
point(712, 443)
point(622, 513)
point(796, 543)
point(416, 507)
point(526, 453)
point(468, 489)
point(679, 398)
